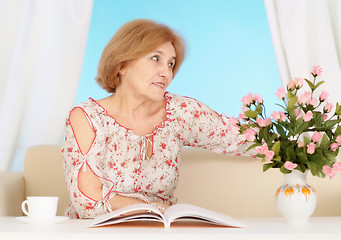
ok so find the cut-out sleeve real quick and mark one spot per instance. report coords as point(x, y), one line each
point(209, 130)
point(75, 161)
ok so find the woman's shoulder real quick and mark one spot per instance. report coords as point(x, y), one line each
point(89, 107)
point(182, 102)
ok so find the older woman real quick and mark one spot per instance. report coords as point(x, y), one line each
point(126, 148)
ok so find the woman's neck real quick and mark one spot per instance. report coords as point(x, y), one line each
point(131, 107)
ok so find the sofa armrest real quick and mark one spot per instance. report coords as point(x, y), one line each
point(12, 193)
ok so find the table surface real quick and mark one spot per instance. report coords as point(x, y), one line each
point(261, 228)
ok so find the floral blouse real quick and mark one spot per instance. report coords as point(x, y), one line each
point(119, 157)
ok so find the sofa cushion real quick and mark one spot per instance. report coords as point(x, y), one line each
point(232, 185)
point(44, 175)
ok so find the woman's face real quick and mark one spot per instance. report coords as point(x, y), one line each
point(149, 76)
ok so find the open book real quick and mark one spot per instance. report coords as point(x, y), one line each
point(178, 212)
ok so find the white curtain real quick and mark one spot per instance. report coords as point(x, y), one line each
point(307, 33)
point(42, 47)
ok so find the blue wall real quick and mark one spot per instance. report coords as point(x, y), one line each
point(230, 49)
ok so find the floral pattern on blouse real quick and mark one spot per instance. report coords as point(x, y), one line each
point(119, 157)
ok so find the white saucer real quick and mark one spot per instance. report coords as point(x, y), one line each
point(56, 219)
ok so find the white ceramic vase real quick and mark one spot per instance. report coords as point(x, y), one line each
point(296, 200)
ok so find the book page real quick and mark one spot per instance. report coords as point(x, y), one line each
point(136, 212)
point(187, 211)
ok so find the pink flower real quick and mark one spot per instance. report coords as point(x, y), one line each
point(259, 99)
point(283, 116)
point(233, 121)
point(269, 155)
point(278, 116)
point(312, 101)
point(289, 165)
point(334, 146)
point(248, 99)
point(298, 82)
point(328, 107)
point(264, 122)
point(250, 134)
point(317, 136)
point(298, 113)
point(265, 150)
point(328, 171)
point(311, 148)
point(280, 93)
point(275, 116)
point(245, 109)
point(304, 98)
point(324, 117)
point(337, 166)
point(291, 85)
point(323, 96)
point(317, 71)
point(338, 139)
point(242, 116)
point(268, 121)
point(308, 116)
point(262, 149)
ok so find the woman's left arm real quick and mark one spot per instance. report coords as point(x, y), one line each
point(209, 130)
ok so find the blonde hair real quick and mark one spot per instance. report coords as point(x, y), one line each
point(133, 40)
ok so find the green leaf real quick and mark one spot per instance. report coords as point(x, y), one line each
point(316, 162)
point(338, 109)
point(318, 119)
point(291, 156)
point(301, 156)
point(267, 166)
point(301, 167)
point(309, 108)
point(330, 157)
point(276, 147)
point(318, 84)
point(325, 161)
point(338, 131)
point(264, 134)
point(284, 145)
point(277, 159)
point(311, 85)
point(259, 109)
point(329, 133)
point(284, 170)
point(314, 168)
point(260, 155)
point(251, 114)
point(324, 142)
point(299, 128)
point(253, 146)
point(280, 130)
point(292, 115)
point(306, 140)
point(272, 138)
point(330, 123)
point(292, 101)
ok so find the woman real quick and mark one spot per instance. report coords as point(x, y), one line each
point(126, 148)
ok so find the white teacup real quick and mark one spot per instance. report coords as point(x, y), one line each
point(40, 207)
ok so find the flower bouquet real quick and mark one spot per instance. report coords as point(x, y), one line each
point(305, 134)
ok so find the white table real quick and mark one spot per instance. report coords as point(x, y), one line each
point(276, 228)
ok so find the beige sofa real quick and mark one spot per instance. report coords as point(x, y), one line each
point(229, 184)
